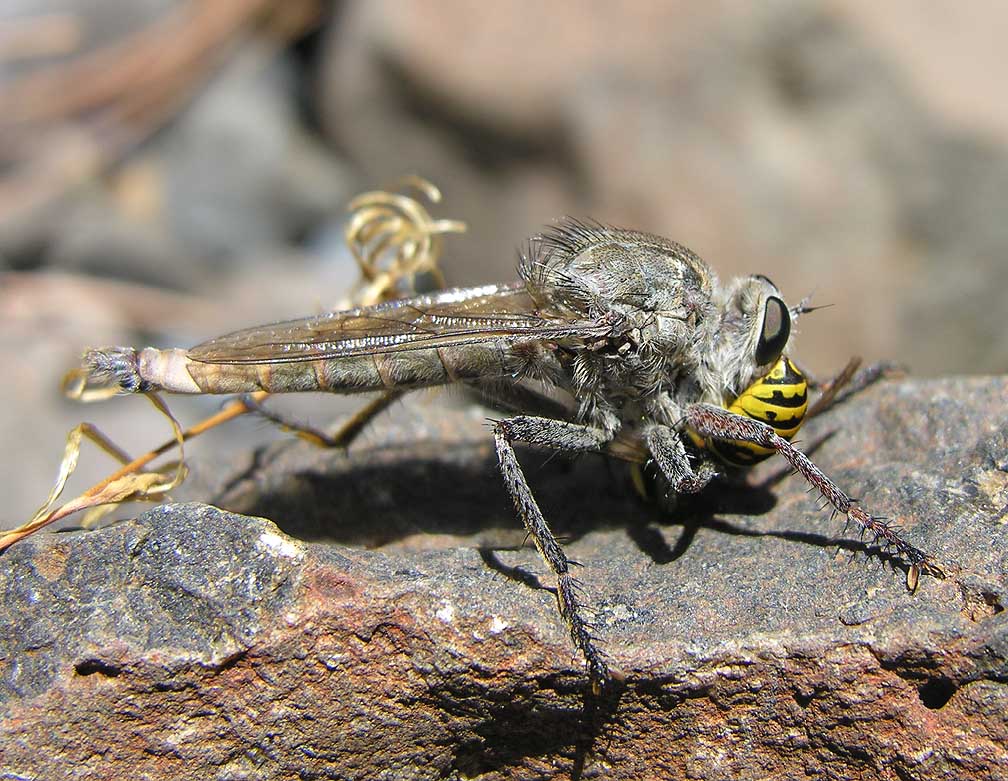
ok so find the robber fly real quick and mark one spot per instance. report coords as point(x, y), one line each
point(655, 357)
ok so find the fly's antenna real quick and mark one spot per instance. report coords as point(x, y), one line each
point(804, 308)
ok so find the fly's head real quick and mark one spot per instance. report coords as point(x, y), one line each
point(747, 370)
point(752, 334)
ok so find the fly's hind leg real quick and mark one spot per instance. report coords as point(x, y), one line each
point(709, 421)
point(343, 436)
point(554, 435)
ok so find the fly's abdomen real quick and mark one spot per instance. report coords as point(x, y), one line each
point(778, 399)
point(174, 371)
point(407, 369)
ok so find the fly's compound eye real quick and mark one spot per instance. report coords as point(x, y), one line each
point(766, 279)
point(775, 332)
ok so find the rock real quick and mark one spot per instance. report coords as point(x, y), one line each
point(242, 173)
point(97, 240)
point(366, 636)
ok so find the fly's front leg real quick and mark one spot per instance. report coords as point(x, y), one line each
point(554, 435)
point(669, 453)
point(710, 421)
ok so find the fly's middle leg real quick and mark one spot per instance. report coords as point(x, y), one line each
point(555, 435)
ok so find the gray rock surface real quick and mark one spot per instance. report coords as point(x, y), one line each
point(374, 632)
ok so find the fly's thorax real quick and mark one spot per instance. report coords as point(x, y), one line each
point(656, 294)
point(661, 290)
point(779, 399)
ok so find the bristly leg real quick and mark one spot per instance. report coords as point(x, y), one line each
point(670, 454)
point(344, 436)
point(710, 421)
point(555, 435)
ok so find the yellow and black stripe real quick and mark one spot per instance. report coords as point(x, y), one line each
point(778, 399)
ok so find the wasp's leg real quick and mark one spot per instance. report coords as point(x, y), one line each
point(850, 380)
point(555, 435)
point(710, 421)
point(669, 453)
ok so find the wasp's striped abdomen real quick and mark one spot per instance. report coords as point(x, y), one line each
point(779, 399)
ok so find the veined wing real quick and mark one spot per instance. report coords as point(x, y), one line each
point(451, 317)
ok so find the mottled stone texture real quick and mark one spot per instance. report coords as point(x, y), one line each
point(379, 641)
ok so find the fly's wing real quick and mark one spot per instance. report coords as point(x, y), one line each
point(449, 318)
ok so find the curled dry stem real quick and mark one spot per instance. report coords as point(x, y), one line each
point(393, 238)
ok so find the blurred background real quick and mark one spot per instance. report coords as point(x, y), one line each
point(174, 169)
